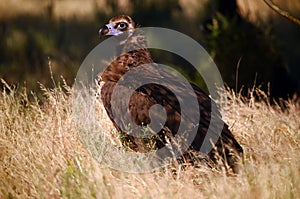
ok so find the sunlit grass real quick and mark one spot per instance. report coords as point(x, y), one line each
point(41, 155)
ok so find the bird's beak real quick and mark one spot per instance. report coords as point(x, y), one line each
point(109, 29)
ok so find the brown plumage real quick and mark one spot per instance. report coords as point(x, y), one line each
point(148, 95)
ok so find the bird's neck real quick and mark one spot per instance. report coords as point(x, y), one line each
point(131, 53)
point(133, 41)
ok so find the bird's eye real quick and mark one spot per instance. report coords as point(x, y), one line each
point(122, 25)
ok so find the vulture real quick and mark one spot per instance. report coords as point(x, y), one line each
point(133, 55)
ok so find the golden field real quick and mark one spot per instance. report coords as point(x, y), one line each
point(41, 155)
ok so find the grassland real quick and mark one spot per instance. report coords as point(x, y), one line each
point(41, 155)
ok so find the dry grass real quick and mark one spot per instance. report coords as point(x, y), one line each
point(41, 155)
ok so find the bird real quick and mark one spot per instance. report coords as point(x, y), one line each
point(133, 54)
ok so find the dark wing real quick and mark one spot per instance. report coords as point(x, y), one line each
point(127, 108)
point(135, 110)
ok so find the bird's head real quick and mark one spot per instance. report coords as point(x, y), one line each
point(117, 26)
point(125, 31)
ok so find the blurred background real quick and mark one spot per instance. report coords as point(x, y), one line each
point(243, 36)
